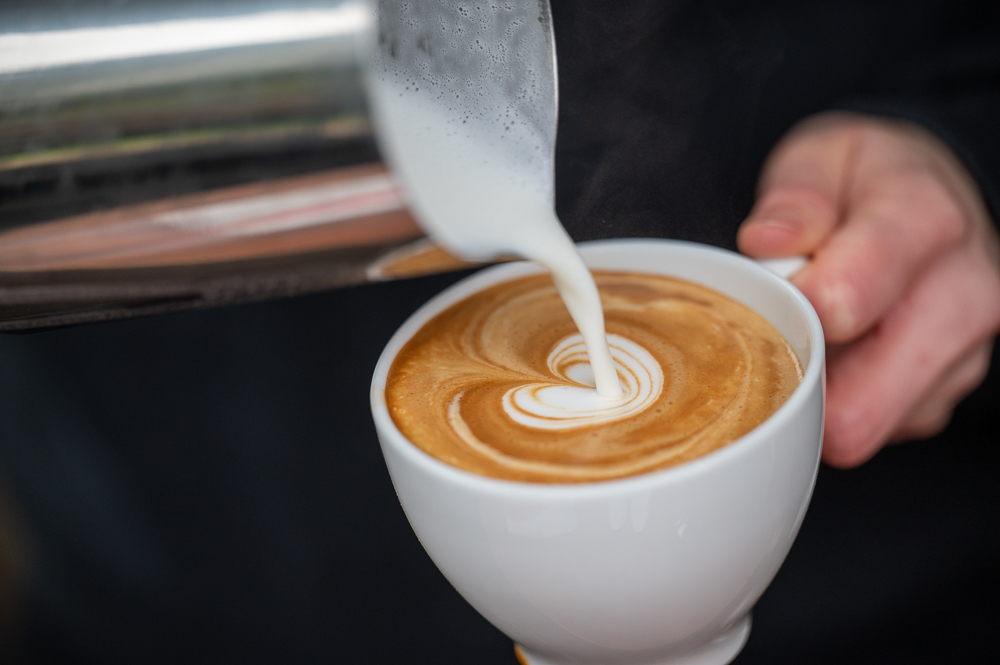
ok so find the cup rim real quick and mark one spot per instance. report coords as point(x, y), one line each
point(390, 435)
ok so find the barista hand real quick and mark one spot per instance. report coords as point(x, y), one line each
point(905, 272)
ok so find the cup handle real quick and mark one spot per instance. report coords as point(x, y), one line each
point(786, 266)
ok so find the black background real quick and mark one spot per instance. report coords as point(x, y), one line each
point(208, 487)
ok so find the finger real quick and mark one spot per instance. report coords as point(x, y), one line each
point(799, 193)
point(933, 412)
point(894, 228)
point(873, 383)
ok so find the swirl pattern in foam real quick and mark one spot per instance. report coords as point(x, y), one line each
point(499, 384)
point(572, 401)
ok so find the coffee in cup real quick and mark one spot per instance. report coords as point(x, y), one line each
point(499, 383)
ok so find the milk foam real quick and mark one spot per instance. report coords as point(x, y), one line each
point(564, 406)
point(499, 383)
point(465, 101)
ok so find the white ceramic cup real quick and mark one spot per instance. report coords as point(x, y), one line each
point(657, 568)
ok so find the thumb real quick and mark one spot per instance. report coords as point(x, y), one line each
point(800, 190)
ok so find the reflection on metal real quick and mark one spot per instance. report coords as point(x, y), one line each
point(238, 244)
point(357, 206)
point(140, 74)
point(344, 128)
point(166, 155)
point(32, 50)
point(417, 258)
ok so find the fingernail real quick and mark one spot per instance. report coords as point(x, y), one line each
point(770, 236)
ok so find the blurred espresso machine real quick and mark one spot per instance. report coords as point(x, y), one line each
point(158, 156)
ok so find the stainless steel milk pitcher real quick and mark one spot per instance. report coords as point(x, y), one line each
point(157, 156)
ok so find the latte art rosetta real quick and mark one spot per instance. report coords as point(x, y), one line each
point(574, 402)
point(499, 384)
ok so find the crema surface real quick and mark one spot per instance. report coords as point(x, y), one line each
point(499, 384)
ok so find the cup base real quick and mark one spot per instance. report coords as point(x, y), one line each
point(721, 650)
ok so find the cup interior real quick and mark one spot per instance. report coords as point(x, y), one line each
point(729, 273)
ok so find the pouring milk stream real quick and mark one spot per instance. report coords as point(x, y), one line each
point(465, 99)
